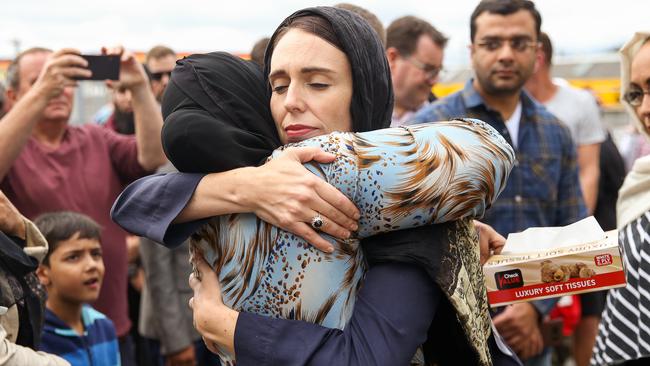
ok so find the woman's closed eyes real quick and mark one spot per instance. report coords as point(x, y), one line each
point(280, 88)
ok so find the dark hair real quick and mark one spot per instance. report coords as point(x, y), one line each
point(257, 53)
point(547, 48)
point(504, 7)
point(403, 34)
point(313, 24)
point(157, 52)
point(60, 226)
point(369, 16)
point(372, 92)
point(13, 70)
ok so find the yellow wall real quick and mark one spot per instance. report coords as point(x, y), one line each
point(607, 90)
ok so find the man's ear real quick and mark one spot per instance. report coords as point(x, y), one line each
point(392, 54)
point(43, 273)
point(10, 94)
point(540, 59)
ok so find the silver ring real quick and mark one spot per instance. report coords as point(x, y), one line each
point(317, 221)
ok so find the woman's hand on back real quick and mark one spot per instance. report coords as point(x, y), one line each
point(212, 318)
point(285, 194)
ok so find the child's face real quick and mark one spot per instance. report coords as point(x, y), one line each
point(75, 270)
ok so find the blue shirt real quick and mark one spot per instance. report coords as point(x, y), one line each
point(96, 347)
point(543, 188)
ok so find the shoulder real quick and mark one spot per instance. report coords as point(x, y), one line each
point(579, 101)
point(97, 321)
point(576, 94)
point(548, 123)
point(101, 135)
point(442, 109)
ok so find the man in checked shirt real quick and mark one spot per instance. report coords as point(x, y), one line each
point(543, 188)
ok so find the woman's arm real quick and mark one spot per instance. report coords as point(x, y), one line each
point(431, 173)
point(375, 335)
point(281, 192)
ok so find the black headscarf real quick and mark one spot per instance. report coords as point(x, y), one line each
point(217, 117)
point(216, 106)
point(372, 97)
point(217, 114)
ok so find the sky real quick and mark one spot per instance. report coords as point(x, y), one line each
point(576, 27)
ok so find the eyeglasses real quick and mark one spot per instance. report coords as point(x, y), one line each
point(431, 71)
point(518, 44)
point(635, 96)
point(157, 76)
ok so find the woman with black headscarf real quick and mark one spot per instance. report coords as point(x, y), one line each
point(342, 23)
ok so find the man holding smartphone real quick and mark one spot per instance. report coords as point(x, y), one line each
point(47, 165)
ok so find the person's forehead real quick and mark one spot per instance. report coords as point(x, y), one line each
point(301, 48)
point(165, 63)
point(520, 23)
point(76, 244)
point(32, 63)
point(426, 47)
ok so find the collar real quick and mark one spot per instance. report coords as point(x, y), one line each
point(54, 324)
point(473, 99)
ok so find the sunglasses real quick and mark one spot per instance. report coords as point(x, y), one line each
point(157, 76)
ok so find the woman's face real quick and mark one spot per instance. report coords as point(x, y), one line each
point(640, 80)
point(311, 82)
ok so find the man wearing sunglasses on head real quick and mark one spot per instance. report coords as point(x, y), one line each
point(160, 61)
point(414, 49)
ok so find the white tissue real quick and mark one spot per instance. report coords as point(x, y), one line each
point(542, 238)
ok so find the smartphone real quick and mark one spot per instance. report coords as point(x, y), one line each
point(104, 67)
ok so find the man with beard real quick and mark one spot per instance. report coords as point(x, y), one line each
point(121, 118)
point(543, 188)
point(414, 49)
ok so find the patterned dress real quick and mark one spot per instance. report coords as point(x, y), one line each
point(399, 178)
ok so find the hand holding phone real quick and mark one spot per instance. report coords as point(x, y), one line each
point(104, 67)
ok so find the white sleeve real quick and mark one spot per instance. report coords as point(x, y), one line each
point(590, 129)
point(12, 354)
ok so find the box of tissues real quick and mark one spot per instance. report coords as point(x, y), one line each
point(545, 262)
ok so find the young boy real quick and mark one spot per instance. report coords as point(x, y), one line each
point(72, 273)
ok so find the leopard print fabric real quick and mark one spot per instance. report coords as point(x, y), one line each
point(399, 178)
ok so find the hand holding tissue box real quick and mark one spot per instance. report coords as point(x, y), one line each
point(544, 262)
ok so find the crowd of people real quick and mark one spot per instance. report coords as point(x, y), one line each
point(327, 207)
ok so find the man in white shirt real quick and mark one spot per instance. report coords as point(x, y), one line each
point(579, 111)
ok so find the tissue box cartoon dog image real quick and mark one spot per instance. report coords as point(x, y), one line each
point(551, 272)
